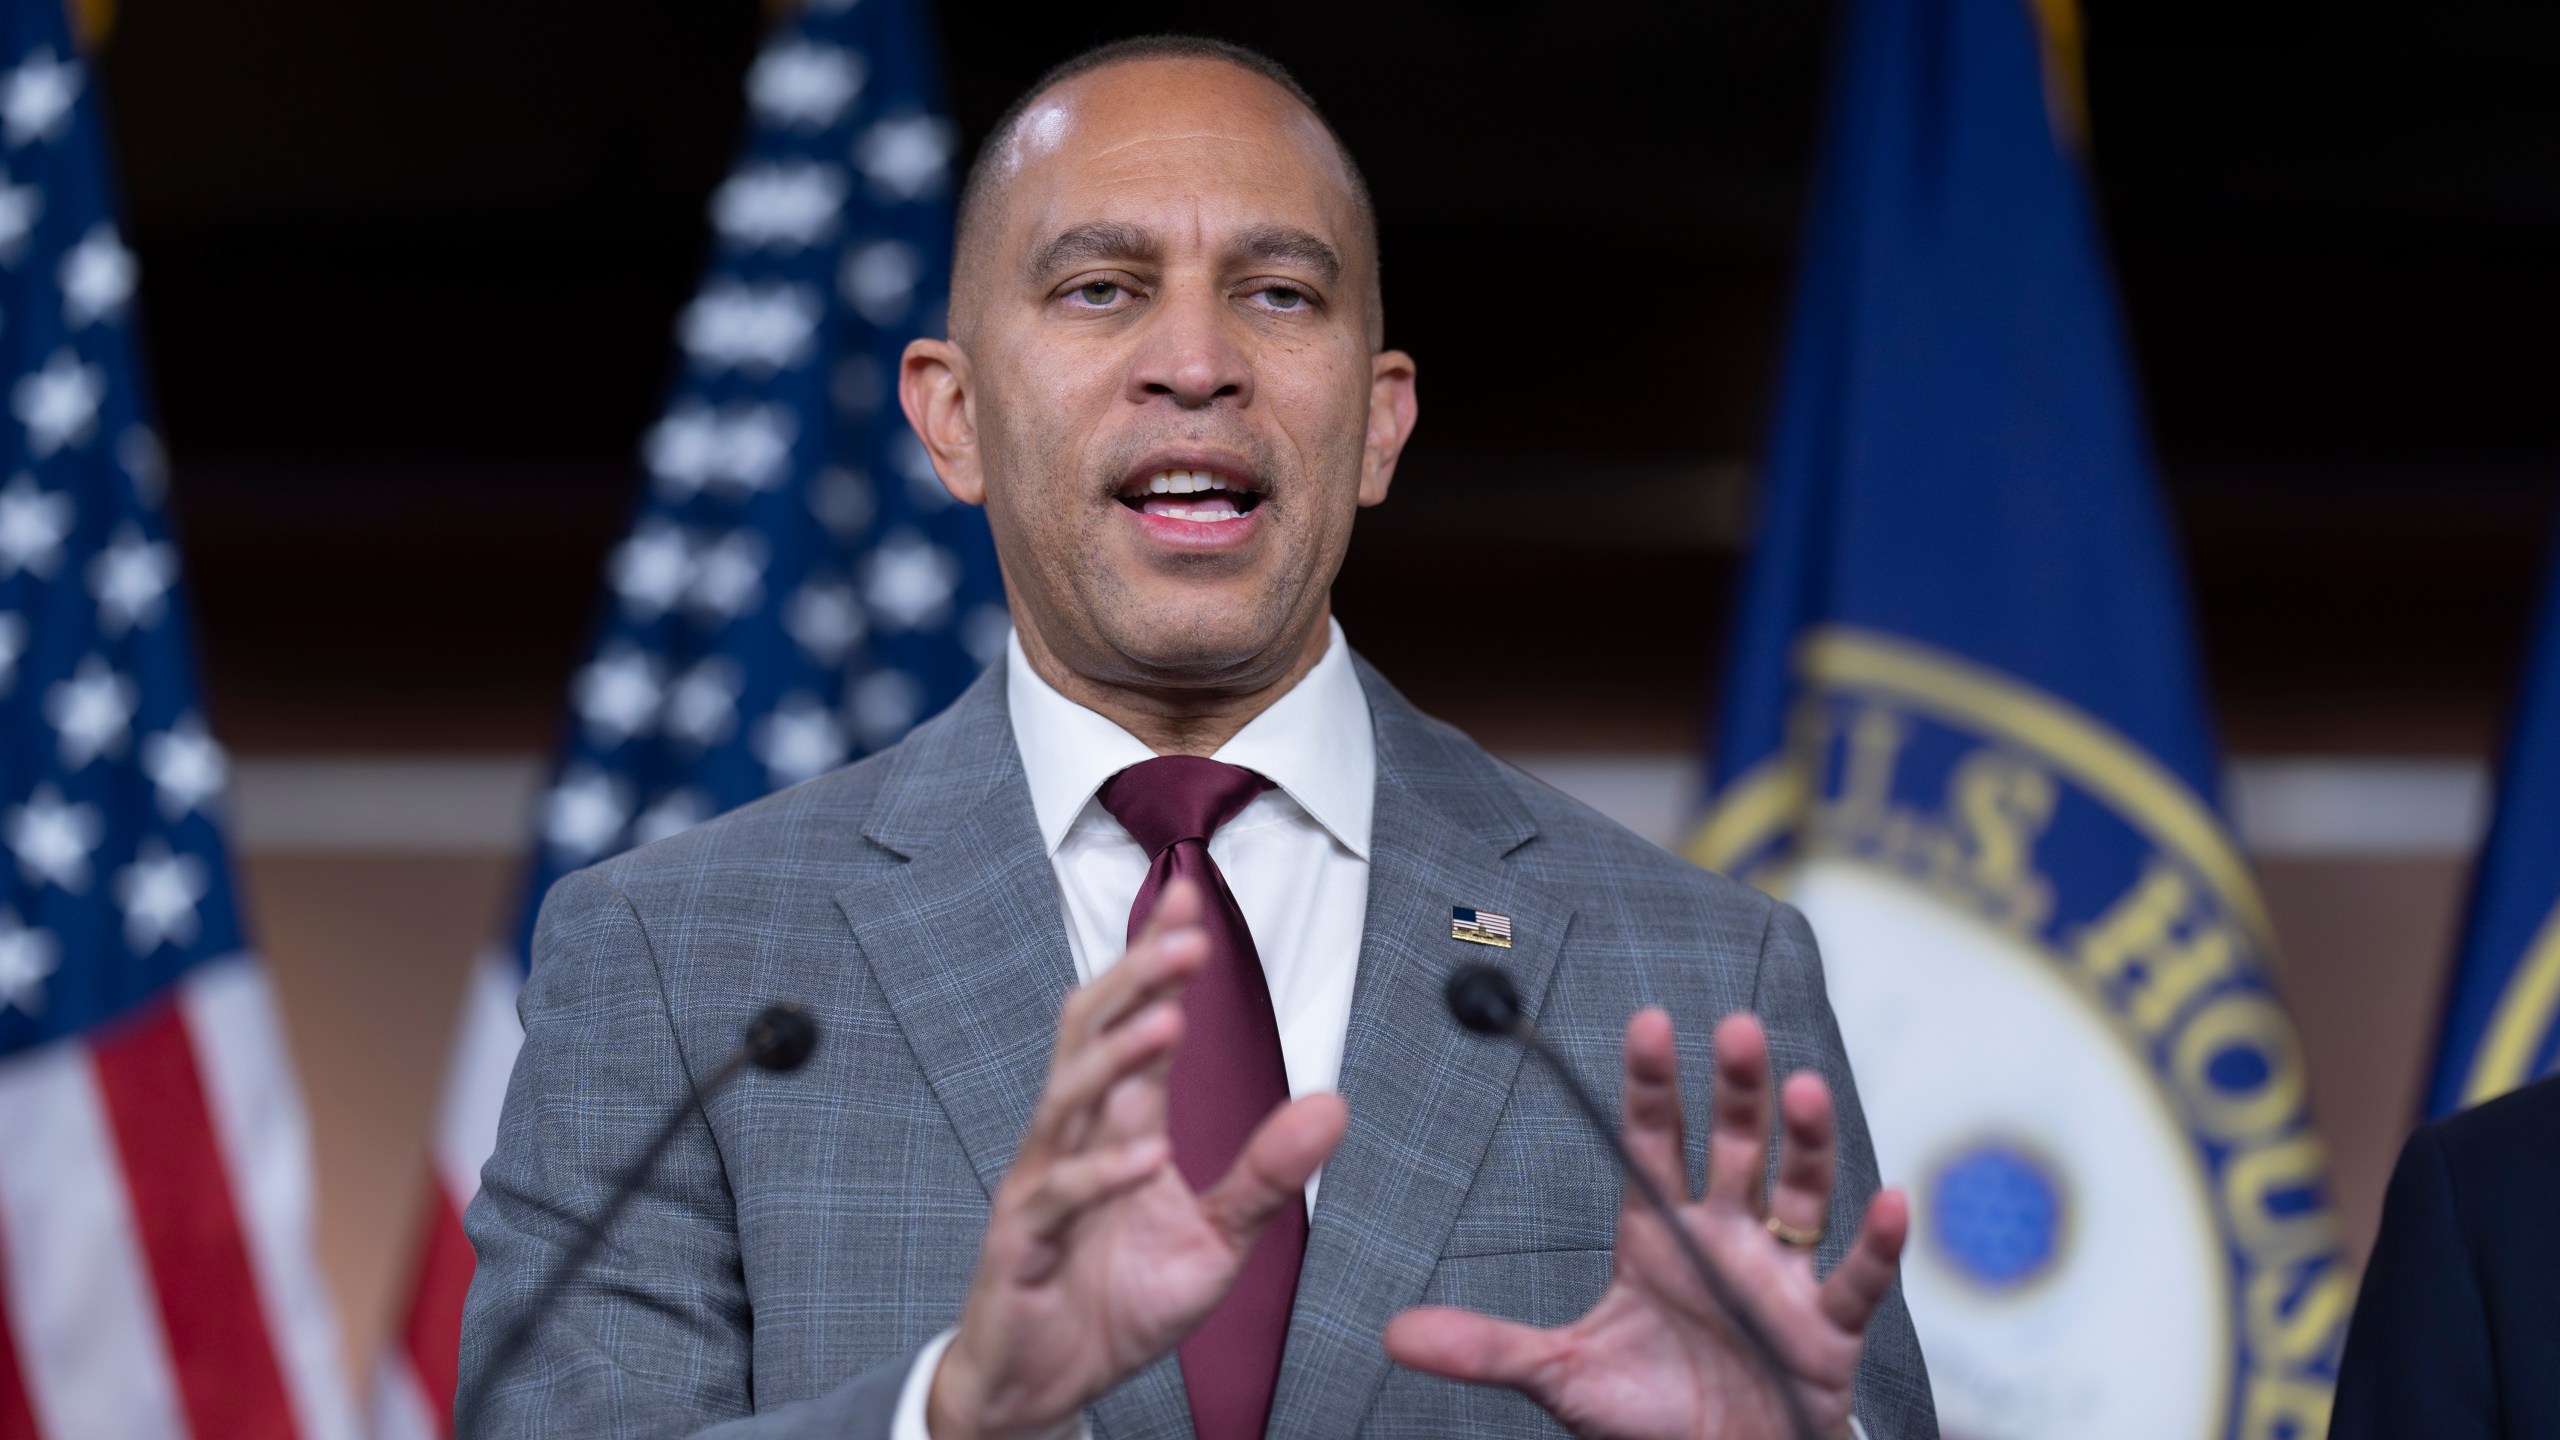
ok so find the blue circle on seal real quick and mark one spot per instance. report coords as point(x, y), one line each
point(1996, 1213)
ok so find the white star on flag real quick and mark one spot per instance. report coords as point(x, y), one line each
point(779, 207)
point(804, 85)
point(58, 404)
point(825, 619)
point(728, 577)
point(841, 499)
point(13, 643)
point(674, 813)
point(585, 812)
point(683, 450)
point(90, 712)
point(27, 958)
point(703, 707)
point(905, 158)
point(52, 840)
point(907, 582)
point(19, 207)
point(801, 738)
point(33, 525)
point(651, 569)
point(186, 767)
point(131, 579)
point(983, 634)
point(879, 280)
point(36, 97)
point(97, 278)
point(159, 892)
point(758, 329)
point(617, 694)
point(735, 451)
point(883, 704)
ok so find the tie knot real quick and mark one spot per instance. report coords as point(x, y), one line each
point(1173, 798)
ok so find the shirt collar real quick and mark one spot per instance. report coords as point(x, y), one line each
point(1314, 743)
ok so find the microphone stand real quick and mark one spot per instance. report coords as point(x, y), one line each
point(1484, 1000)
point(778, 1039)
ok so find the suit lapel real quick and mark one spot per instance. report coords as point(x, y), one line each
point(1424, 1095)
point(969, 947)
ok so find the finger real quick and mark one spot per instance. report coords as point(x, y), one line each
point(1738, 1147)
point(1462, 1345)
point(1858, 1286)
point(1069, 1188)
point(1808, 1153)
point(1652, 1120)
point(1166, 954)
point(1133, 1106)
point(1069, 1110)
point(1285, 1150)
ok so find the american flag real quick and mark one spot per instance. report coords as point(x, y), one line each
point(155, 1196)
point(1484, 927)
point(796, 588)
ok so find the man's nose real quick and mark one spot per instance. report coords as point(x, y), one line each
point(1192, 351)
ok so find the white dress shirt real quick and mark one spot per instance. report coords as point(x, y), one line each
point(1296, 859)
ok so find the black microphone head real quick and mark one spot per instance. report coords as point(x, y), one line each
point(781, 1036)
point(1484, 1000)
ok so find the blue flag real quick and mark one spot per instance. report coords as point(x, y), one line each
point(156, 1272)
point(2502, 1023)
point(1963, 730)
point(796, 589)
point(96, 672)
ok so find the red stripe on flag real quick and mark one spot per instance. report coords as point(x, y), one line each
point(434, 1337)
point(17, 1414)
point(190, 1228)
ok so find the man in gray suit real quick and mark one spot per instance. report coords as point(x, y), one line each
point(1035, 1183)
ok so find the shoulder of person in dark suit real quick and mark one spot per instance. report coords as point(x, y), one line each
point(2457, 1329)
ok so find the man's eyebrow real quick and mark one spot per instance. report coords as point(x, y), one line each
point(1289, 243)
point(1101, 240)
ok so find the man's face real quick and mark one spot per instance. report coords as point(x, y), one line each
point(1165, 389)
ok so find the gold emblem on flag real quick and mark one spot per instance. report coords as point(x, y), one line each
point(1479, 927)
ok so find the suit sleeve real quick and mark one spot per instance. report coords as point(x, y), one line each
point(655, 1337)
point(2418, 1358)
point(1893, 1400)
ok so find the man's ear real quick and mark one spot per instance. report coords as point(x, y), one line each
point(936, 391)
point(1392, 408)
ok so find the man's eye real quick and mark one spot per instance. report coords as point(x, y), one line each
point(1284, 297)
point(1098, 292)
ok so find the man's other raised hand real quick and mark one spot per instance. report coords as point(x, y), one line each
point(1655, 1359)
point(1098, 1257)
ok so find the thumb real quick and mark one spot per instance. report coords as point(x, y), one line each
point(1462, 1345)
point(1285, 1151)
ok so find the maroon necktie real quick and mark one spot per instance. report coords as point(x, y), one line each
point(1227, 1078)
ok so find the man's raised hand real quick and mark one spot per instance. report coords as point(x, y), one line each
point(1655, 1359)
point(1098, 1258)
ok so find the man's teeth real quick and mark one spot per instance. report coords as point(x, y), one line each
point(1218, 500)
point(1215, 509)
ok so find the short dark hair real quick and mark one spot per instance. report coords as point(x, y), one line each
point(976, 190)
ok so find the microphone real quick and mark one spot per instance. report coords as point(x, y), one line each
point(1483, 999)
point(778, 1039)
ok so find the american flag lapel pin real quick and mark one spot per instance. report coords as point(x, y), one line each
point(1479, 927)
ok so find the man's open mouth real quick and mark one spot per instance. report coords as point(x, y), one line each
point(1202, 495)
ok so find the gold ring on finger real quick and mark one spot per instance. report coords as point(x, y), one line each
point(1792, 1237)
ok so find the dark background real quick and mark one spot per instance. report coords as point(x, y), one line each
point(409, 272)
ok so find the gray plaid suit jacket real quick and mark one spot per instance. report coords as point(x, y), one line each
point(808, 1232)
